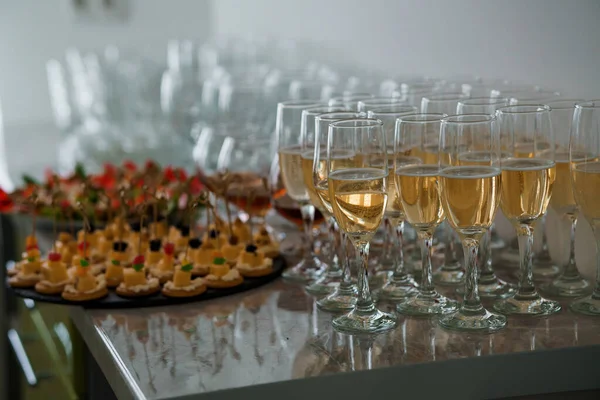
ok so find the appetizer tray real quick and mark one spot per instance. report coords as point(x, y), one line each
point(112, 300)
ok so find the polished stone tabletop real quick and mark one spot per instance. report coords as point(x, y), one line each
point(275, 334)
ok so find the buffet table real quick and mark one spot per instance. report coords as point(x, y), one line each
point(273, 342)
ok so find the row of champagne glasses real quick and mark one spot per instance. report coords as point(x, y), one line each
point(520, 147)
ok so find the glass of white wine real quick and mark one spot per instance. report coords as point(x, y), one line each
point(490, 286)
point(585, 175)
point(570, 283)
point(345, 294)
point(470, 187)
point(418, 188)
point(332, 276)
point(358, 197)
point(451, 272)
point(400, 285)
point(528, 176)
point(288, 132)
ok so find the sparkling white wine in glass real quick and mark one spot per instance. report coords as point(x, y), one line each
point(527, 187)
point(419, 195)
point(471, 197)
point(290, 164)
point(359, 197)
point(586, 188)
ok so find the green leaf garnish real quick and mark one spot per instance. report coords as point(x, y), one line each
point(115, 262)
point(80, 171)
point(138, 267)
point(30, 180)
point(219, 261)
point(31, 259)
point(84, 263)
point(187, 267)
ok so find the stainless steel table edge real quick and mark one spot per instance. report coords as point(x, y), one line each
point(111, 364)
point(485, 377)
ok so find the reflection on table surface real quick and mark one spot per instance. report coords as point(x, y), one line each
point(276, 333)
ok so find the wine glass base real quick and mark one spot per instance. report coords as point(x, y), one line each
point(537, 306)
point(484, 322)
point(325, 285)
point(359, 323)
point(339, 301)
point(567, 287)
point(305, 271)
point(397, 291)
point(497, 289)
point(449, 277)
point(423, 305)
point(588, 306)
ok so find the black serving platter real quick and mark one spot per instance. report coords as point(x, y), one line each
point(113, 300)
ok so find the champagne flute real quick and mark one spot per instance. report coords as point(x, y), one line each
point(401, 284)
point(527, 179)
point(289, 151)
point(490, 286)
point(333, 273)
point(419, 192)
point(470, 188)
point(358, 197)
point(585, 174)
point(570, 283)
point(344, 296)
point(451, 272)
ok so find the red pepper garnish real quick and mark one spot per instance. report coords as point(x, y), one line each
point(129, 166)
point(196, 185)
point(32, 247)
point(54, 256)
point(169, 174)
point(6, 203)
point(83, 247)
point(181, 174)
point(169, 248)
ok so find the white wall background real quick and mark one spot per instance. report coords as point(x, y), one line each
point(33, 31)
point(554, 43)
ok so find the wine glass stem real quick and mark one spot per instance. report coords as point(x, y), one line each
point(472, 302)
point(571, 268)
point(544, 253)
point(387, 245)
point(525, 237)
point(485, 257)
point(364, 303)
point(450, 251)
point(426, 250)
point(346, 273)
point(399, 268)
point(333, 265)
point(596, 230)
point(308, 217)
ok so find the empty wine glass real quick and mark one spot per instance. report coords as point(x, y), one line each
point(378, 102)
point(349, 100)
